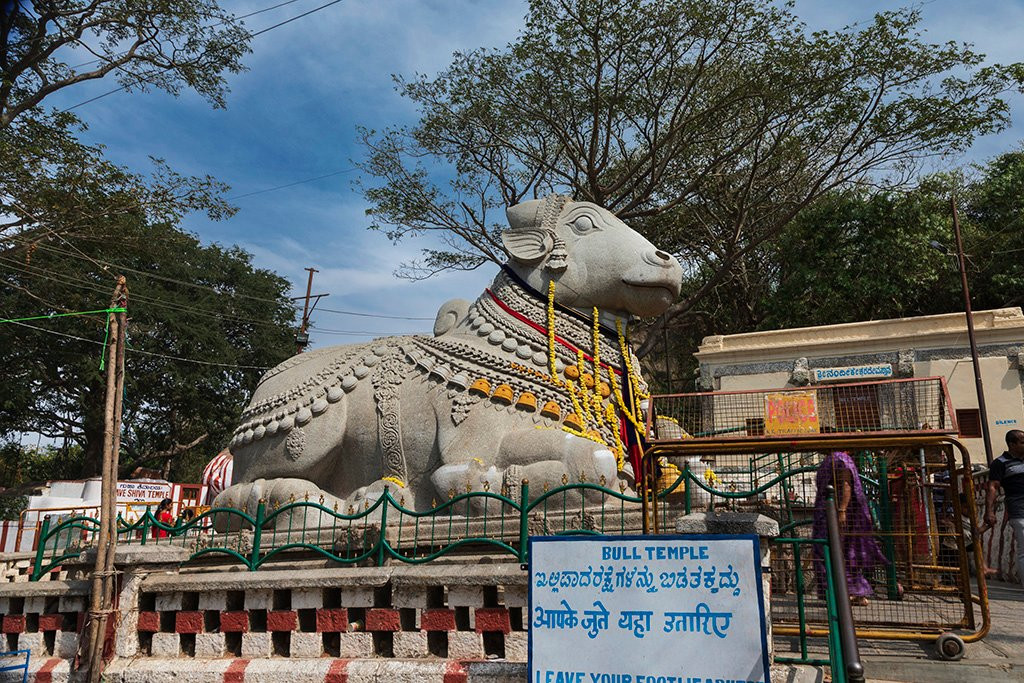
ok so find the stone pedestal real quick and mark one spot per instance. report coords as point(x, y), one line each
point(740, 523)
point(135, 562)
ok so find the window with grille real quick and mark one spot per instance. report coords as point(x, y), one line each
point(969, 421)
point(856, 408)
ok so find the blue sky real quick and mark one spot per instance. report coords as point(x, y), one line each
point(293, 116)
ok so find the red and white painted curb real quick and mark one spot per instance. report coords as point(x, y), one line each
point(283, 670)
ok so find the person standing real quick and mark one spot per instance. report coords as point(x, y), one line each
point(1007, 471)
point(164, 516)
point(861, 550)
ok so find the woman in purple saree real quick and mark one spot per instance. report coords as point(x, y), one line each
point(861, 550)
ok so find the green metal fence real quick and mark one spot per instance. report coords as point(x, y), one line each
point(387, 530)
point(383, 530)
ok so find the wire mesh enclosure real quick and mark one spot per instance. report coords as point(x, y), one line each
point(908, 520)
point(902, 406)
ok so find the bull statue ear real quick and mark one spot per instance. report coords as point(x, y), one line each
point(528, 245)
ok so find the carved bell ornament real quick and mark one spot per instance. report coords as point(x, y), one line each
point(481, 387)
point(527, 401)
point(573, 421)
point(552, 410)
point(503, 394)
point(572, 372)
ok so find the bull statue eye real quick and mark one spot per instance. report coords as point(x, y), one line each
point(581, 225)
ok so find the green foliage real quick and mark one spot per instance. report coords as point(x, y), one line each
point(67, 216)
point(709, 125)
point(860, 255)
point(206, 304)
point(141, 44)
point(50, 183)
point(20, 464)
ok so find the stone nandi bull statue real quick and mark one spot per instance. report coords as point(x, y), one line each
point(522, 383)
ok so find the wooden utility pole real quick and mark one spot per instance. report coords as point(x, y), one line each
point(978, 383)
point(103, 583)
point(302, 338)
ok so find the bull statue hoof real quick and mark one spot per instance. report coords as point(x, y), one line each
point(527, 382)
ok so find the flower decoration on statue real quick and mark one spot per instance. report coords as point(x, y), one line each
point(596, 403)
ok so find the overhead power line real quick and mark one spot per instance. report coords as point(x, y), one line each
point(164, 278)
point(145, 353)
point(78, 283)
point(250, 36)
point(297, 182)
point(374, 315)
point(362, 333)
point(219, 23)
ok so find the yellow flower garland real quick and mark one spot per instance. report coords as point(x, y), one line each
point(598, 408)
point(551, 334)
point(634, 384)
point(590, 407)
point(584, 392)
point(620, 452)
point(575, 403)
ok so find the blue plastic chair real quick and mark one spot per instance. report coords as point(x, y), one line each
point(21, 666)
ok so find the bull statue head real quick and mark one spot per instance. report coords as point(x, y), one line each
point(594, 258)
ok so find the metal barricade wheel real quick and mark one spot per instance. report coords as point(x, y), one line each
point(950, 647)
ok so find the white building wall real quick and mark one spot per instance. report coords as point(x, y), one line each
point(766, 380)
point(1004, 400)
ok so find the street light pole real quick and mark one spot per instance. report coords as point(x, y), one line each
point(978, 384)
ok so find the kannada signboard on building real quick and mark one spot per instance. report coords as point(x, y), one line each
point(632, 609)
point(787, 413)
point(852, 372)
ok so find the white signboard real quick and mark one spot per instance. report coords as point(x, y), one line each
point(632, 609)
point(142, 491)
point(852, 373)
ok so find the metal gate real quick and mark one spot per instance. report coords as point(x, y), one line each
point(915, 572)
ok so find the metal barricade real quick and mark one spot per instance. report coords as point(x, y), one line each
point(913, 567)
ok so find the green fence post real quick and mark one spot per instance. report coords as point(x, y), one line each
point(37, 568)
point(524, 526)
point(383, 527)
point(257, 536)
point(800, 596)
point(785, 488)
point(145, 527)
point(885, 510)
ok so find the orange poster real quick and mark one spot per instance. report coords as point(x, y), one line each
point(790, 413)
